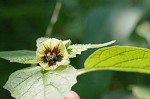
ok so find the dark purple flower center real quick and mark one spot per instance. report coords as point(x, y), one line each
point(52, 56)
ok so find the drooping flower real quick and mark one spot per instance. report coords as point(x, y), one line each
point(52, 53)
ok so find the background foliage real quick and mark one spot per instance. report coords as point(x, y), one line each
point(82, 21)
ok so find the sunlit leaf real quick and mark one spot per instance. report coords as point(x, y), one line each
point(120, 58)
point(20, 56)
point(34, 83)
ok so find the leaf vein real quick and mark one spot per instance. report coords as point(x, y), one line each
point(113, 56)
point(25, 80)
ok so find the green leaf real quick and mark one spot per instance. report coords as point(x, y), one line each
point(20, 56)
point(120, 58)
point(34, 83)
point(67, 43)
point(141, 92)
point(78, 48)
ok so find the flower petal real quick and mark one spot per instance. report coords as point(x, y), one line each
point(52, 53)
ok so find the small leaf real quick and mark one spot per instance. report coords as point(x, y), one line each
point(34, 83)
point(78, 48)
point(20, 56)
point(67, 43)
point(141, 92)
point(120, 58)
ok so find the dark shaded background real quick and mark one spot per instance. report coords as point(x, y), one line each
point(82, 21)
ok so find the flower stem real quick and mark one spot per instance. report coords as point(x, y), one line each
point(83, 71)
point(53, 19)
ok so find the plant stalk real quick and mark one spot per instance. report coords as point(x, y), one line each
point(53, 19)
point(83, 71)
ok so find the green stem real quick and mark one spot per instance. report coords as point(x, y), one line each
point(53, 18)
point(83, 71)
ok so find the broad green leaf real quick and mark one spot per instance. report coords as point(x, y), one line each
point(34, 83)
point(78, 48)
point(20, 56)
point(120, 58)
point(141, 92)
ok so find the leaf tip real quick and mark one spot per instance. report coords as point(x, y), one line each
point(111, 42)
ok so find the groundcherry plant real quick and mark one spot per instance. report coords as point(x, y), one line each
point(51, 76)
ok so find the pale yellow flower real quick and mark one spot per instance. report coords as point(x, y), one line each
point(52, 53)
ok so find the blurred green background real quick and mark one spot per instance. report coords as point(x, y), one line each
point(82, 21)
